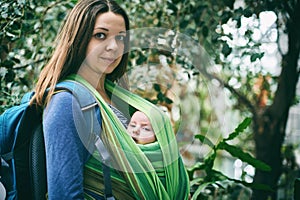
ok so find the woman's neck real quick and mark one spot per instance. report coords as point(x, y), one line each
point(97, 82)
point(101, 90)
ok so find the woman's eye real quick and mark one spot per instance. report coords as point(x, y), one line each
point(99, 35)
point(120, 37)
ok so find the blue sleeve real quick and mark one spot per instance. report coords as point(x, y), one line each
point(65, 153)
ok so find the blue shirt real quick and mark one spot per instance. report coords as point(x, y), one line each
point(66, 155)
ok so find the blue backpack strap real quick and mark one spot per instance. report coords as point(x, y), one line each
point(26, 98)
point(82, 94)
point(87, 102)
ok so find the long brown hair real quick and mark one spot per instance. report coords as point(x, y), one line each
point(72, 43)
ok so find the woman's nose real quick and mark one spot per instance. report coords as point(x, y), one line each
point(111, 44)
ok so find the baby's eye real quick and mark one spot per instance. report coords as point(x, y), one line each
point(132, 125)
point(146, 128)
point(120, 37)
point(99, 35)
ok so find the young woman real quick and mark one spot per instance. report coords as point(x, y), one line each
point(93, 44)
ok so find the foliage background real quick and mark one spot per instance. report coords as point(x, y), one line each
point(28, 29)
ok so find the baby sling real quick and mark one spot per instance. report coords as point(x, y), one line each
point(129, 160)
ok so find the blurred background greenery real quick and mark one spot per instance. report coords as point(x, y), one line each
point(209, 65)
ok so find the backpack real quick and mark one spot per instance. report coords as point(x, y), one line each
point(22, 148)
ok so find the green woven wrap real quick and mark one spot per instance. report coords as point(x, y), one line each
point(152, 171)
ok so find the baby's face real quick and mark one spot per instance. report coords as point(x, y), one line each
point(140, 129)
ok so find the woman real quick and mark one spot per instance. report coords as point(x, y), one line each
point(93, 43)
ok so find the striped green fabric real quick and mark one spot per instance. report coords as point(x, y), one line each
point(93, 180)
point(154, 155)
point(153, 171)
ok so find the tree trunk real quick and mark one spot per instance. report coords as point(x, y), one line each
point(270, 124)
point(269, 136)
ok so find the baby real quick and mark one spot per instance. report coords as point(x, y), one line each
point(140, 128)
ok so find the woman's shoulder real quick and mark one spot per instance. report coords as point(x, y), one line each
point(62, 102)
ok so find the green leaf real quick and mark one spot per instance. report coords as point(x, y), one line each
point(199, 189)
point(229, 3)
point(205, 31)
point(196, 181)
point(225, 17)
point(196, 73)
point(141, 60)
point(241, 127)
point(218, 176)
point(209, 163)
point(245, 157)
point(8, 64)
point(205, 140)
point(245, 123)
point(197, 166)
point(156, 87)
point(226, 50)
point(172, 7)
point(232, 136)
point(168, 100)
point(10, 76)
point(183, 24)
point(160, 96)
point(256, 56)
point(247, 12)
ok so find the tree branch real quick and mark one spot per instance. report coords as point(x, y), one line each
point(289, 76)
point(241, 98)
point(24, 66)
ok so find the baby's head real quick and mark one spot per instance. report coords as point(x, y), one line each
point(140, 128)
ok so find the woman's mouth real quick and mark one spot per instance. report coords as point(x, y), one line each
point(109, 60)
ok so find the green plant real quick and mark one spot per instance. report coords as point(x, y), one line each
point(211, 179)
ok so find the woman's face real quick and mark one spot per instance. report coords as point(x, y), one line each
point(140, 129)
point(106, 47)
